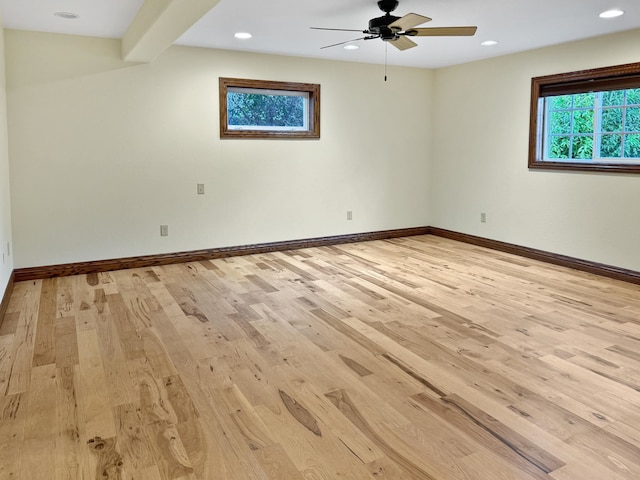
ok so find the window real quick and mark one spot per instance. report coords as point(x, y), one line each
point(265, 109)
point(587, 120)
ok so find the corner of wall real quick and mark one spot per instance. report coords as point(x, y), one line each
point(6, 250)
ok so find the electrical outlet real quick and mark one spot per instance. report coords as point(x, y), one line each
point(349, 215)
point(483, 217)
point(201, 189)
point(164, 230)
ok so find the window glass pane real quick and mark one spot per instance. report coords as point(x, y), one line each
point(262, 110)
point(633, 96)
point(560, 122)
point(559, 147)
point(583, 121)
point(612, 120)
point(582, 148)
point(613, 98)
point(562, 101)
point(610, 146)
point(632, 146)
point(632, 123)
point(583, 100)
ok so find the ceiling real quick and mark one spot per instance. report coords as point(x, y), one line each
point(282, 26)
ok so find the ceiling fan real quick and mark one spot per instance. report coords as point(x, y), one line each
point(396, 30)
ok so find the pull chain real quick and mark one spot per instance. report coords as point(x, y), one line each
point(386, 46)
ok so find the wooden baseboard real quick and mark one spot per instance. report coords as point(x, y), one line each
point(625, 275)
point(34, 273)
point(4, 304)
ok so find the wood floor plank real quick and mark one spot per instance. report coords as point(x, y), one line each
point(415, 358)
point(13, 416)
point(488, 433)
point(132, 438)
point(38, 455)
point(276, 463)
point(66, 350)
point(68, 448)
point(95, 416)
point(9, 323)
point(21, 355)
point(45, 346)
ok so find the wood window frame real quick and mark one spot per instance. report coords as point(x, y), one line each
point(617, 77)
point(313, 120)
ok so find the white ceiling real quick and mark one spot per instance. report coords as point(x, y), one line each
point(282, 26)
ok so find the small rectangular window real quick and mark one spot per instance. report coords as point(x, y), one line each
point(266, 109)
point(587, 120)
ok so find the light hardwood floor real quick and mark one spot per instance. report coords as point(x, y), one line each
point(413, 358)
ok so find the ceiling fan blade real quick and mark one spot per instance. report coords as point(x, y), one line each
point(403, 43)
point(336, 29)
point(348, 41)
point(442, 32)
point(410, 20)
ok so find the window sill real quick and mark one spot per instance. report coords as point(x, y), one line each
point(585, 167)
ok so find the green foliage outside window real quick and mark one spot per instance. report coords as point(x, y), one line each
point(607, 123)
point(265, 110)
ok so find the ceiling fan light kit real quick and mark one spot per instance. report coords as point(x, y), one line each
point(395, 30)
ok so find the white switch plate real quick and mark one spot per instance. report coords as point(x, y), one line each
point(164, 230)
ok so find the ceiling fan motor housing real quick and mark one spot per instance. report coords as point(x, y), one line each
point(380, 26)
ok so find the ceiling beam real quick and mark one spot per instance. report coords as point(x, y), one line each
point(158, 24)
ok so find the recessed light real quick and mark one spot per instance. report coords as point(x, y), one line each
point(243, 35)
point(489, 43)
point(67, 15)
point(612, 13)
point(351, 46)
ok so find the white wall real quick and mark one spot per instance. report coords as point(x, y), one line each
point(102, 153)
point(6, 256)
point(480, 134)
